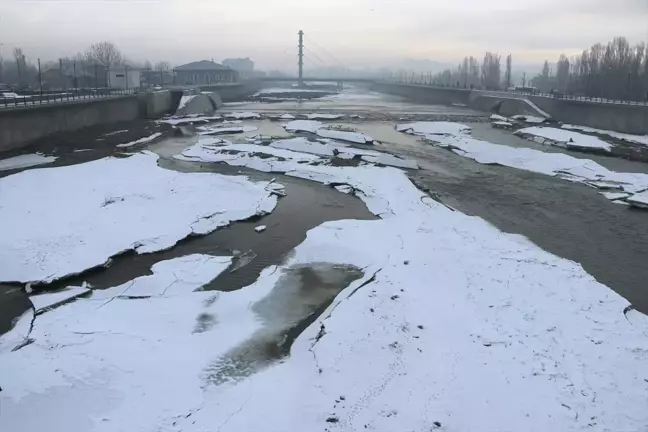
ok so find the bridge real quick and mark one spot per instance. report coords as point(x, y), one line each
point(319, 79)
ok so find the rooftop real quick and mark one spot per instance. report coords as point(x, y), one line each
point(202, 65)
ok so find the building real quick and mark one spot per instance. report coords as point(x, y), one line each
point(123, 77)
point(204, 72)
point(244, 66)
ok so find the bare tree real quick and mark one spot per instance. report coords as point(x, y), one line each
point(104, 53)
point(163, 66)
point(491, 71)
point(509, 70)
point(562, 73)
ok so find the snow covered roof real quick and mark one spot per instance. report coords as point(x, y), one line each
point(202, 65)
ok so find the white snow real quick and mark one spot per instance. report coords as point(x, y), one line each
point(391, 160)
point(278, 90)
point(639, 200)
point(453, 322)
point(16, 336)
point(637, 139)
point(324, 116)
point(243, 115)
point(227, 130)
point(433, 128)
point(116, 364)
point(171, 277)
point(24, 161)
point(554, 164)
point(503, 124)
point(287, 117)
point(45, 301)
point(141, 140)
point(184, 100)
point(498, 118)
point(260, 228)
point(101, 208)
point(354, 137)
point(613, 196)
point(529, 118)
point(564, 138)
point(190, 120)
point(303, 126)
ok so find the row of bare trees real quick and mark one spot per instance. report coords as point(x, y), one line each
point(613, 71)
point(471, 74)
point(22, 73)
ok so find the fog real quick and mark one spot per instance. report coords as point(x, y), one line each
point(357, 33)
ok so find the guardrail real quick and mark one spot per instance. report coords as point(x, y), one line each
point(601, 100)
point(65, 96)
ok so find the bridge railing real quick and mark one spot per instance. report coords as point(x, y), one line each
point(12, 100)
point(429, 82)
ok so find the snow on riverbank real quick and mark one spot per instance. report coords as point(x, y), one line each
point(454, 325)
point(553, 164)
point(45, 301)
point(636, 139)
point(102, 208)
point(25, 161)
point(433, 128)
point(563, 138)
point(141, 140)
point(320, 129)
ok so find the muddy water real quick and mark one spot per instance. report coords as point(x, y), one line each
point(301, 294)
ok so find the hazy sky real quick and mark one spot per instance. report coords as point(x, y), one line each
point(355, 32)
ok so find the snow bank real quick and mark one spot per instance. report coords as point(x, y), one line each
point(303, 126)
point(529, 118)
point(279, 90)
point(324, 116)
point(454, 326)
point(16, 336)
point(636, 139)
point(195, 105)
point(563, 138)
point(243, 115)
point(553, 164)
point(45, 301)
point(433, 128)
point(190, 120)
point(119, 364)
point(141, 140)
point(354, 137)
point(226, 130)
point(109, 206)
point(24, 161)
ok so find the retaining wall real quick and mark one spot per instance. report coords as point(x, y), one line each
point(425, 94)
point(617, 117)
point(631, 119)
point(22, 125)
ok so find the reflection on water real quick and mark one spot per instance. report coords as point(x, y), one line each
point(301, 294)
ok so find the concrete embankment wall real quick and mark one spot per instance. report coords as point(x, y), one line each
point(631, 119)
point(617, 117)
point(425, 94)
point(22, 125)
point(234, 92)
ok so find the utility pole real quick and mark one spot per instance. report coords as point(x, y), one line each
point(300, 63)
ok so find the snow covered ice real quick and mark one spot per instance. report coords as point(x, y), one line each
point(564, 138)
point(25, 161)
point(109, 206)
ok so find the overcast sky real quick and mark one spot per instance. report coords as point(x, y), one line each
point(354, 32)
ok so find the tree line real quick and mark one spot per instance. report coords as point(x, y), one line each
point(613, 71)
point(22, 72)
